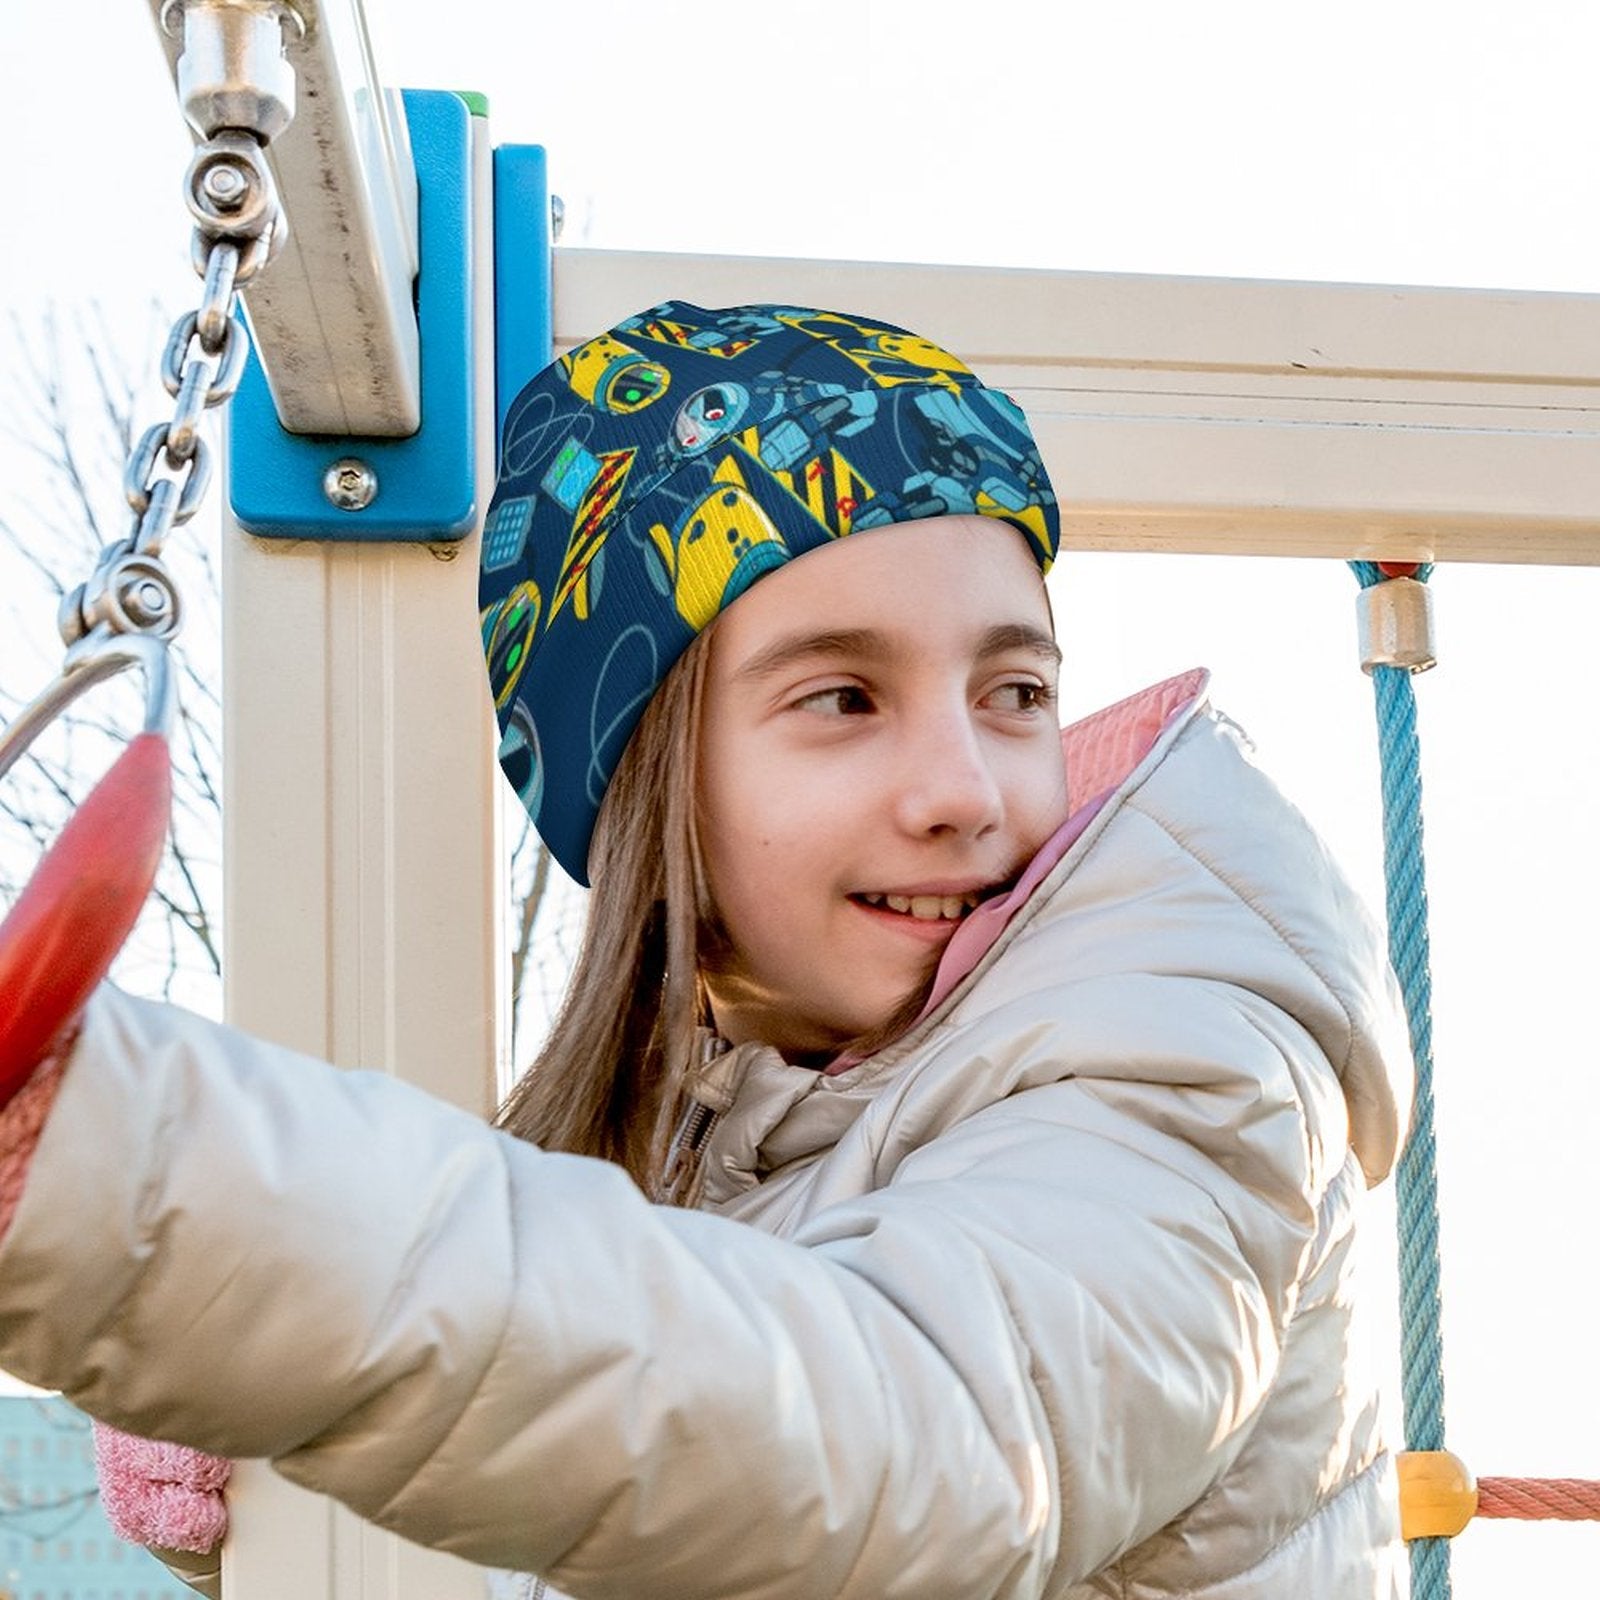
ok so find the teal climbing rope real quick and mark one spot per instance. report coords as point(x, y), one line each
point(1422, 1349)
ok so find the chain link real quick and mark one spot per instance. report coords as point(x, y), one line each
point(239, 227)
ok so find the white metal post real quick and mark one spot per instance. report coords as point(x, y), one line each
point(362, 886)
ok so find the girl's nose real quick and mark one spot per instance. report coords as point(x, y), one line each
point(948, 784)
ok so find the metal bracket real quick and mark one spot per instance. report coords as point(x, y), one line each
point(293, 486)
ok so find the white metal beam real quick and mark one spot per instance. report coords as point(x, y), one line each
point(1232, 417)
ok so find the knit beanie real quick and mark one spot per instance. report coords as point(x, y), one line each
point(651, 475)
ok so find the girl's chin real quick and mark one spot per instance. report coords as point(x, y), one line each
point(867, 972)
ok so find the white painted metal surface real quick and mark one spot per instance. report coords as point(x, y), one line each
point(334, 321)
point(363, 889)
point(1221, 416)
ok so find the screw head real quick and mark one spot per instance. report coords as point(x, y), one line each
point(350, 484)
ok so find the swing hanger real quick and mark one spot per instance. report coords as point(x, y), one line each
point(84, 897)
point(237, 88)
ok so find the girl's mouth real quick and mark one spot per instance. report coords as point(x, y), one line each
point(923, 907)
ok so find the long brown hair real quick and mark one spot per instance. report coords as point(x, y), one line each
point(606, 1083)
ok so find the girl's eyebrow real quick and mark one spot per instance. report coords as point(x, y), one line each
point(792, 647)
point(870, 644)
point(1005, 637)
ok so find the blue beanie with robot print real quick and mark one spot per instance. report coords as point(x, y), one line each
point(651, 475)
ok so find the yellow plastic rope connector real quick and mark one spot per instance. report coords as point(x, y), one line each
point(1438, 1496)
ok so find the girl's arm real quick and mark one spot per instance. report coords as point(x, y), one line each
point(511, 1355)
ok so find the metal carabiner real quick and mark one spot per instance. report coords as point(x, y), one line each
point(58, 941)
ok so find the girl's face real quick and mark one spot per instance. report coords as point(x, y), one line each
point(879, 750)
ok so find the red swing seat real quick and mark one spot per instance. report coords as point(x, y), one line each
point(58, 941)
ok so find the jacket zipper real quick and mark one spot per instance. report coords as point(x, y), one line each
point(680, 1177)
point(712, 1086)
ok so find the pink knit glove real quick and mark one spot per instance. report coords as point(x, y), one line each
point(161, 1494)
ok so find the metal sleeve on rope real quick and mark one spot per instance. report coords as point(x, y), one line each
point(1395, 618)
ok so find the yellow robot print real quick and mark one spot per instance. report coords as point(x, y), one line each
point(817, 474)
point(716, 550)
point(613, 376)
point(832, 490)
point(917, 352)
point(1031, 517)
point(508, 629)
point(583, 564)
point(826, 484)
point(692, 338)
point(888, 355)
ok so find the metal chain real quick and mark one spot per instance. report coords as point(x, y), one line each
point(239, 227)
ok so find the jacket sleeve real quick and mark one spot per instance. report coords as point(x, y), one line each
point(513, 1356)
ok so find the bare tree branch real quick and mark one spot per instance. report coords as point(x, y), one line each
point(200, 760)
point(42, 568)
point(57, 419)
point(529, 913)
point(193, 918)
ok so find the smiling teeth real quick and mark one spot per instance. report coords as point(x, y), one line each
point(926, 907)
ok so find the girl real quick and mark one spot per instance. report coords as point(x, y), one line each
point(945, 1177)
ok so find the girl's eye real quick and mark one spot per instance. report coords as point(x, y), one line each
point(1023, 695)
point(838, 700)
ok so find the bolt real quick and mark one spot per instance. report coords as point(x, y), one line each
point(225, 186)
point(149, 601)
point(351, 485)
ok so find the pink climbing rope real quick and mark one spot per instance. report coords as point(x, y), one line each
point(1540, 1499)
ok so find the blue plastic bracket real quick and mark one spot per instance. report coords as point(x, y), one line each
point(426, 491)
point(522, 292)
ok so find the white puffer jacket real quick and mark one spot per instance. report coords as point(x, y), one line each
point(1053, 1297)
